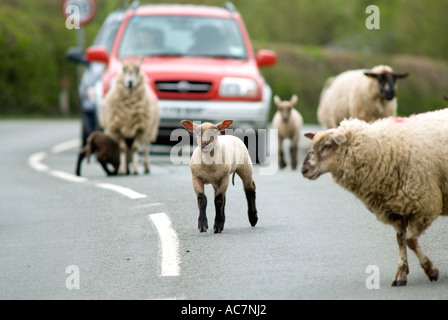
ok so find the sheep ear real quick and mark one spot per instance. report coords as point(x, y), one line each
point(224, 125)
point(338, 138)
point(310, 135)
point(294, 99)
point(399, 75)
point(190, 126)
point(140, 61)
point(371, 74)
point(277, 100)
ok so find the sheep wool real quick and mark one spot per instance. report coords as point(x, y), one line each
point(130, 115)
point(398, 167)
point(363, 94)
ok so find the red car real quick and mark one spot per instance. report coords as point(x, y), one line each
point(199, 61)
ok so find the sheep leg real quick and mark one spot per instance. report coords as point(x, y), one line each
point(431, 271)
point(198, 186)
point(146, 151)
point(220, 201)
point(106, 169)
point(81, 156)
point(403, 268)
point(122, 169)
point(294, 144)
point(249, 189)
point(134, 150)
point(220, 218)
point(281, 159)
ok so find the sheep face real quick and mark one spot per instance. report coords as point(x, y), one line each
point(285, 107)
point(130, 75)
point(386, 81)
point(322, 156)
point(207, 133)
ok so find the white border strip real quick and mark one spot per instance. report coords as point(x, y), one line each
point(124, 191)
point(169, 243)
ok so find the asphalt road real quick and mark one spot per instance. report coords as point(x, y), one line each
point(64, 238)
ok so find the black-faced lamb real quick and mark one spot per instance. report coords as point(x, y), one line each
point(398, 167)
point(288, 121)
point(213, 161)
point(363, 94)
point(130, 115)
point(106, 150)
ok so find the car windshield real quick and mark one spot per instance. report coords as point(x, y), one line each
point(182, 36)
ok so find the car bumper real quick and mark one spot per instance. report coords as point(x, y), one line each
point(246, 115)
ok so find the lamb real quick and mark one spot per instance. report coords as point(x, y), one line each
point(106, 150)
point(288, 122)
point(130, 115)
point(397, 167)
point(364, 94)
point(215, 158)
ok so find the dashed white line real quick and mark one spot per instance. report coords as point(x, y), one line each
point(64, 146)
point(35, 161)
point(124, 191)
point(169, 244)
point(67, 176)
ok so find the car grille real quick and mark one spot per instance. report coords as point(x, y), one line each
point(183, 86)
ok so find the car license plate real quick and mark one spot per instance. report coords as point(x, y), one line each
point(179, 112)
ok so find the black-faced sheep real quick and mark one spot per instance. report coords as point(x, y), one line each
point(213, 161)
point(363, 94)
point(288, 121)
point(106, 150)
point(398, 167)
point(130, 115)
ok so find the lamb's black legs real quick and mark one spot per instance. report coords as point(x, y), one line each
point(202, 221)
point(252, 209)
point(220, 202)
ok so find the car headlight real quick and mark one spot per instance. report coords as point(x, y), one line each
point(238, 87)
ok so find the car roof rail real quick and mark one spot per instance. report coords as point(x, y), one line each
point(230, 7)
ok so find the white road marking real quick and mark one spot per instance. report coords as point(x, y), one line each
point(169, 243)
point(124, 191)
point(67, 176)
point(155, 204)
point(64, 146)
point(35, 159)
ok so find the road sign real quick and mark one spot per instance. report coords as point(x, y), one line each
point(86, 9)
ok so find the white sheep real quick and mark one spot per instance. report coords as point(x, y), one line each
point(213, 161)
point(398, 167)
point(363, 94)
point(130, 115)
point(288, 121)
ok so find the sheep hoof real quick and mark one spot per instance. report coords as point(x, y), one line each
point(218, 227)
point(399, 283)
point(218, 230)
point(203, 226)
point(435, 276)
